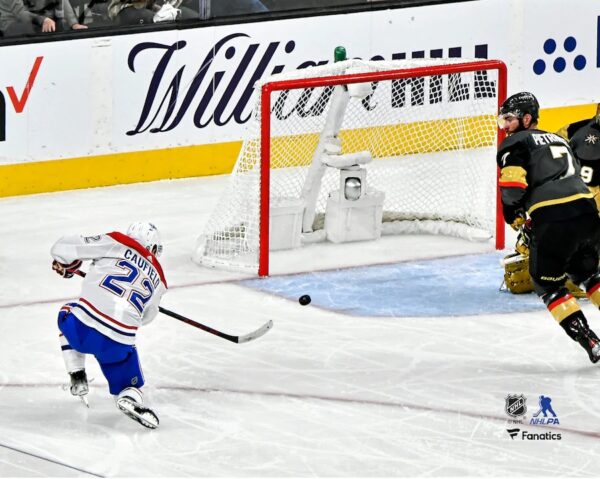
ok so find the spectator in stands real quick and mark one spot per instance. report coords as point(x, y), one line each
point(124, 12)
point(143, 12)
point(47, 9)
point(19, 18)
point(70, 20)
point(80, 14)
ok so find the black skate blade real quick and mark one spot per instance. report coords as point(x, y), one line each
point(142, 414)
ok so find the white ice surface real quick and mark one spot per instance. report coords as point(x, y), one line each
point(322, 394)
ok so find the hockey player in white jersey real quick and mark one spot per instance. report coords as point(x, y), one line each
point(121, 292)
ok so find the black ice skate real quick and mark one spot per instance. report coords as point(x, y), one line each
point(131, 405)
point(591, 344)
point(79, 386)
point(79, 383)
point(577, 329)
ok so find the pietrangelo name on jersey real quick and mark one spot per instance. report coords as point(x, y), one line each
point(542, 139)
point(144, 266)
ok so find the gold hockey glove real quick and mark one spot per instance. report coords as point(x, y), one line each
point(517, 223)
point(524, 238)
point(575, 290)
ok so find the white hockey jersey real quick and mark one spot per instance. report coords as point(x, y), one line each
point(123, 286)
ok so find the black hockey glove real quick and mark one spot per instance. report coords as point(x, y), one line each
point(66, 270)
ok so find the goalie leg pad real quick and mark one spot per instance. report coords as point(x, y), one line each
point(516, 273)
point(575, 290)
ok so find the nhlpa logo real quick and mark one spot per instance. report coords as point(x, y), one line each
point(516, 405)
point(545, 408)
point(513, 432)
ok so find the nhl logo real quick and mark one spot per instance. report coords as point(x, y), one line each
point(516, 405)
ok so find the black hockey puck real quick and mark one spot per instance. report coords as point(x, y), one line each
point(304, 299)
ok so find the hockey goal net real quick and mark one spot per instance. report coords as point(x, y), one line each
point(424, 130)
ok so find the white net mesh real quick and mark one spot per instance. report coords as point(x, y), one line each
point(432, 139)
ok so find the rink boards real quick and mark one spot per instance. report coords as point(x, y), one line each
point(174, 104)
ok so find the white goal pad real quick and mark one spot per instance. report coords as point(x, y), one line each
point(422, 132)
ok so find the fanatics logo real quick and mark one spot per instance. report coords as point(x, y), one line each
point(529, 436)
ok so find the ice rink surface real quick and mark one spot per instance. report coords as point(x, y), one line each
point(386, 373)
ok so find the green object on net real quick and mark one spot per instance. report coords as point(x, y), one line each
point(339, 54)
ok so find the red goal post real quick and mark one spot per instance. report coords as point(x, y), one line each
point(437, 103)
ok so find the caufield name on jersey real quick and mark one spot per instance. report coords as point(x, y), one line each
point(145, 266)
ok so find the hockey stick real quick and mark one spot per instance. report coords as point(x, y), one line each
point(229, 337)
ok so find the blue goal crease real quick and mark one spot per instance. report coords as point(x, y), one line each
point(450, 286)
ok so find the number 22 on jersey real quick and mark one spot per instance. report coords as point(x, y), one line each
point(118, 284)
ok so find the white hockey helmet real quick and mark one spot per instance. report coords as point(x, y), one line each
point(147, 235)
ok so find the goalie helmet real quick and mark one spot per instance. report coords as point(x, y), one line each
point(521, 103)
point(147, 235)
